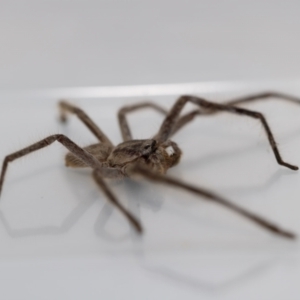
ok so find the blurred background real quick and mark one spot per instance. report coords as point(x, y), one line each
point(54, 244)
point(53, 43)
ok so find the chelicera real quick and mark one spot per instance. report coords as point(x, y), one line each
point(151, 158)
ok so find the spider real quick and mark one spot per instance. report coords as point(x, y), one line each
point(151, 158)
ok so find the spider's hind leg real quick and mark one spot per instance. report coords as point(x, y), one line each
point(153, 176)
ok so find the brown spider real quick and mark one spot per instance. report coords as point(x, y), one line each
point(151, 158)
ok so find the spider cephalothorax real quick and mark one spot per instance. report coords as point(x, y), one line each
point(158, 157)
point(151, 158)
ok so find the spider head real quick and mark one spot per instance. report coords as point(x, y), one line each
point(162, 156)
point(131, 151)
point(157, 156)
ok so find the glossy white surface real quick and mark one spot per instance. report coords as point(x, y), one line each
point(61, 239)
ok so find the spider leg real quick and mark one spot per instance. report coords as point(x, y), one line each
point(82, 154)
point(124, 126)
point(185, 119)
point(170, 121)
point(242, 100)
point(153, 176)
point(66, 107)
point(263, 96)
point(113, 199)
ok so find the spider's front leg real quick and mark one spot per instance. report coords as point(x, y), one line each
point(83, 155)
point(170, 122)
point(87, 159)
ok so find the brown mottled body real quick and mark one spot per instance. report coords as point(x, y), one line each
point(151, 158)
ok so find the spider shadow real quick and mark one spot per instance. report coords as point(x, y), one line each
point(233, 153)
point(135, 193)
point(251, 273)
point(67, 223)
point(271, 181)
point(215, 157)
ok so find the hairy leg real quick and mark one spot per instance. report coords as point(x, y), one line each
point(169, 124)
point(83, 155)
point(113, 199)
point(263, 96)
point(153, 176)
point(124, 126)
point(65, 108)
point(184, 120)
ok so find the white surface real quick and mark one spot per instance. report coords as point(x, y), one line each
point(60, 238)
